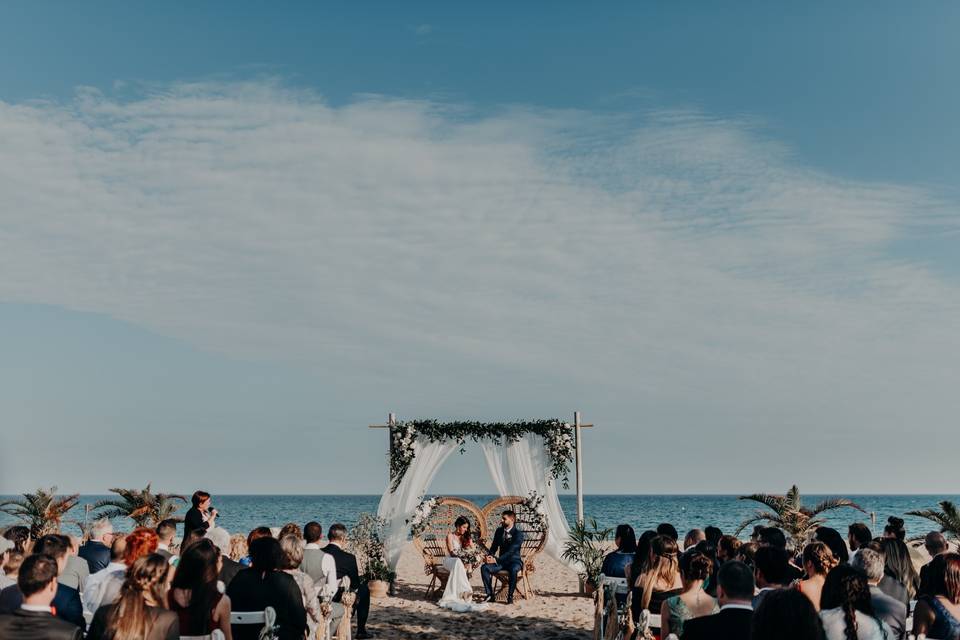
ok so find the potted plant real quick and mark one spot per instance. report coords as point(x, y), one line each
point(587, 546)
point(366, 540)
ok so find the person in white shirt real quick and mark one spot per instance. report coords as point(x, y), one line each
point(322, 568)
point(94, 591)
point(845, 603)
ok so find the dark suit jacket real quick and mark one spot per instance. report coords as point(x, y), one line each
point(346, 566)
point(96, 554)
point(36, 625)
point(729, 624)
point(508, 547)
point(164, 552)
point(194, 520)
point(66, 601)
point(229, 569)
point(890, 610)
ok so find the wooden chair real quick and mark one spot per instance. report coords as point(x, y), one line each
point(534, 539)
point(432, 542)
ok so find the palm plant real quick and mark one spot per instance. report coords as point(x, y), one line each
point(42, 511)
point(145, 508)
point(586, 545)
point(788, 513)
point(948, 518)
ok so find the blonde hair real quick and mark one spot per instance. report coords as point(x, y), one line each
point(292, 551)
point(662, 568)
point(130, 619)
point(238, 547)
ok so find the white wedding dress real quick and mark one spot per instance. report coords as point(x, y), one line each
point(458, 583)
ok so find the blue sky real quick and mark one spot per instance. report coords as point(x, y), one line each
point(231, 224)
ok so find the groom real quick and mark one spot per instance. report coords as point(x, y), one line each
point(507, 540)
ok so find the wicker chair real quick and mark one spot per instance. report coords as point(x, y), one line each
point(432, 542)
point(534, 539)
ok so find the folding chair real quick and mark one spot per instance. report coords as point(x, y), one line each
point(267, 619)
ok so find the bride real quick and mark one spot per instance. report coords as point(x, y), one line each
point(458, 594)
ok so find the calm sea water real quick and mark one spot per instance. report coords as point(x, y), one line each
point(241, 513)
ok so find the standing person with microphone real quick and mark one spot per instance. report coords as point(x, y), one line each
point(201, 516)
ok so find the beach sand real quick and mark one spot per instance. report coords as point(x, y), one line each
point(555, 613)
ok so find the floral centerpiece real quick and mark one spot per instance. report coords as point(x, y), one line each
point(420, 519)
point(366, 540)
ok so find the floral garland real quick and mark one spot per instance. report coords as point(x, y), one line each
point(557, 437)
point(537, 519)
point(420, 518)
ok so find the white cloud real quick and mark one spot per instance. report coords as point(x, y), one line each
point(675, 270)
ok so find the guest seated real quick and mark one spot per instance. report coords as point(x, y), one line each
point(32, 619)
point(846, 607)
point(238, 549)
point(660, 579)
point(93, 591)
point(255, 534)
point(732, 622)
point(835, 541)
point(938, 614)
point(66, 600)
point(774, 537)
point(786, 615)
point(858, 535)
point(141, 542)
point(76, 572)
point(770, 571)
point(20, 537)
point(640, 558)
point(290, 529)
point(747, 553)
point(713, 535)
point(935, 544)
point(899, 566)
point(139, 613)
point(667, 529)
point(194, 595)
point(728, 548)
point(6, 547)
point(693, 601)
point(11, 568)
point(890, 610)
point(264, 585)
point(228, 567)
point(895, 529)
point(321, 568)
point(615, 563)
point(292, 557)
point(96, 551)
point(818, 560)
point(693, 537)
point(166, 532)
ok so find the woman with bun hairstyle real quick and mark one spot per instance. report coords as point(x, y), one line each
point(818, 560)
point(693, 601)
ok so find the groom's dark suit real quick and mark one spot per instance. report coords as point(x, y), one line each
point(508, 544)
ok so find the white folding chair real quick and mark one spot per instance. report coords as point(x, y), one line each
point(267, 619)
point(216, 635)
point(612, 587)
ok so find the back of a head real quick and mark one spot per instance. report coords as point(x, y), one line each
point(772, 537)
point(736, 581)
point(627, 538)
point(818, 558)
point(860, 533)
point(713, 534)
point(337, 533)
point(693, 537)
point(667, 529)
point(846, 588)
point(52, 545)
point(19, 535)
point(695, 565)
point(36, 572)
point(142, 541)
point(167, 531)
point(772, 563)
point(259, 532)
point(220, 538)
point(197, 566)
point(786, 614)
point(870, 562)
point(898, 561)
point(642, 554)
point(292, 548)
point(130, 618)
point(312, 532)
point(290, 529)
point(945, 576)
point(895, 528)
point(747, 553)
point(266, 555)
point(833, 539)
point(728, 546)
point(935, 543)
point(100, 528)
point(118, 549)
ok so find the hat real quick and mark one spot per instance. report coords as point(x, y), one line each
point(6, 545)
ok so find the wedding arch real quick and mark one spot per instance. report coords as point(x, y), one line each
point(523, 457)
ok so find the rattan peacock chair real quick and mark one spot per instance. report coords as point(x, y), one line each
point(534, 540)
point(432, 541)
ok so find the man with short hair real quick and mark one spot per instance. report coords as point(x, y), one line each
point(858, 535)
point(507, 542)
point(93, 592)
point(774, 537)
point(33, 618)
point(321, 568)
point(890, 610)
point(6, 546)
point(693, 537)
point(935, 544)
point(346, 564)
point(770, 571)
point(667, 529)
point(66, 600)
point(96, 551)
point(734, 592)
point(166, 532)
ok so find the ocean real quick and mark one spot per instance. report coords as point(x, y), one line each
point(241, 513)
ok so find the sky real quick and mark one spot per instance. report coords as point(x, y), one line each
point(233, 234)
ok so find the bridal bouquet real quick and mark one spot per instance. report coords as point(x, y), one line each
point(472, 556)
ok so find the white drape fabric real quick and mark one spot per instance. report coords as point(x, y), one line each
point(396, 507)
point(520, 467)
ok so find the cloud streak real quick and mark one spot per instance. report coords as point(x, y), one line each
point(673, 266)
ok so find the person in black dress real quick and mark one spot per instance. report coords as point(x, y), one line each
point(201, 516)
point(266, 585)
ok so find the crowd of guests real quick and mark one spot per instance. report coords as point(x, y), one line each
point(141, 586)
point(830, 587)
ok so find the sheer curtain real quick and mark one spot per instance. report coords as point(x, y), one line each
point(397, 507)
point(520, 467)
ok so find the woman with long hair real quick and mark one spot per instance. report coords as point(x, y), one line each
point(660, 579)
point(639, 564)
point(846, 609)
point(615, 563)
point(194, 595)
point(457, 592)
point(139, 613)
point(695, 568)
point(785, 614)
point(264, 585)
point(818, 560)
point(899, 565)
point(938, 614)
point(836, 543)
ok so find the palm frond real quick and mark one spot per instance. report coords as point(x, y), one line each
point(774, 502)
point(833, 503)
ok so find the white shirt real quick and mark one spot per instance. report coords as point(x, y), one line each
point(6, 581)
point(329, 568)
point(36, 607)
point(101, 585)
point(737, 605)
point(868, 628)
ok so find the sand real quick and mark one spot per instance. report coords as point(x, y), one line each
point(556, 612)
